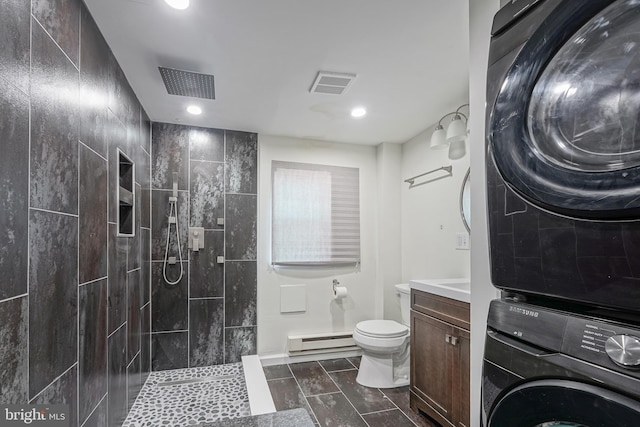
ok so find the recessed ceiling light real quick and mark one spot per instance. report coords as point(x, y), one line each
point(194, 109)
point(358, 112)
point(178, 4)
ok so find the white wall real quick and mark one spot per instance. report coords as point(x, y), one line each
point(389, 256)
point(482, 292)
point(431, 212)
point(323, 313)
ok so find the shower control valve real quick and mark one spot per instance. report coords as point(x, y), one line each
point(196, 238)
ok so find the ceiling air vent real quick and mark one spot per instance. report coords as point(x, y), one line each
point(187, 83)
point(333, 83)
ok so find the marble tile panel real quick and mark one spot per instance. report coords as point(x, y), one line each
point(206, 144)
point(14, 184)
point(94, 84)
point(336, 365)
point(312, 378)
point(364, 399)
point(239, 342)
point(116, 138)
point(92, 346)
point(241, 293)
point(145, 264)
point(145, 344)
point(15, 31)
point(276, 372)
point(117, 279)
point(145, 208)
point(170, 153)
point(169, 350)
point(241, 159)
point(133, 314)
point(169, 303)
point(145, 132)
point(122, 100)
point(117, 397)
point(61, 19)
point(54, 127)
point(335, 410)
point(14, 353)
point(392, 418)
point(160, 222)
point(207, 276)
point(53, 297)
point(134, 382)
point(207, 194)
point(206, 332)
point(63, 391)
point(134, 257)
point(287, 395)
point(100, 416)
point(241, 227)
point(92, 216)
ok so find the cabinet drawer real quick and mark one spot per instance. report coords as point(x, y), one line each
point(446, 309)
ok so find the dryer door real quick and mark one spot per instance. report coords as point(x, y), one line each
point(564, 131)
point(549, 403)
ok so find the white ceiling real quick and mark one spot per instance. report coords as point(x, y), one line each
point(410, 57)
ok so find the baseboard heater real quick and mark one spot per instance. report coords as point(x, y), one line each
point(320, 343)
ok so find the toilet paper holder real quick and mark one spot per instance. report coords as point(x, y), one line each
point(339, 292)
point(335, 284)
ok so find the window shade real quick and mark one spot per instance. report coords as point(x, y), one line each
point(316, 214)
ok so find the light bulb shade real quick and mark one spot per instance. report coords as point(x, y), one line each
point(457, 149)
point(438, 138)
point(457, 130)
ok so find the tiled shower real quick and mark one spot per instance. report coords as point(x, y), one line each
point(84, 316)
point(209, 317)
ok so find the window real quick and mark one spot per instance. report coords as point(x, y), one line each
point(316, 214)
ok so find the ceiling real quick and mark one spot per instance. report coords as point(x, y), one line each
point(411, 58)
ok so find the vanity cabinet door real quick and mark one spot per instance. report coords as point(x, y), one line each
point(463, 364)
point(432, 369)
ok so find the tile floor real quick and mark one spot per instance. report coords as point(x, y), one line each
point(329, 392)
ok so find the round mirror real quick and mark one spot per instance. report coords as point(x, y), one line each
point(465, 200)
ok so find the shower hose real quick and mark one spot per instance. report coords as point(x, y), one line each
point(173, 219)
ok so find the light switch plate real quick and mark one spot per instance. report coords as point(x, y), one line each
point(462, 241)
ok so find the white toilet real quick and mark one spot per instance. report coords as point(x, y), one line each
point(385, 347)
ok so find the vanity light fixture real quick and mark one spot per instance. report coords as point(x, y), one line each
point(194, 109)
point(455, 137)
point(178, 4)
point(358, 112)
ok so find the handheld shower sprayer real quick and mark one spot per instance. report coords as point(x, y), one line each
point(173, 219)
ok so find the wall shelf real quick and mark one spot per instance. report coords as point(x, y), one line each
point(126, 196)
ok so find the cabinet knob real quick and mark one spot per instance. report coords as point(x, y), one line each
point(447, 338)
point(454, 340)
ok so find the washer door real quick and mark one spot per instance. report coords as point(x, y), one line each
point(564, 131)
point(548, 403)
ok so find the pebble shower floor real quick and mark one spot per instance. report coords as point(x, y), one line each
point(191, 396)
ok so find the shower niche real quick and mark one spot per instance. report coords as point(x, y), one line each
point(126, 196)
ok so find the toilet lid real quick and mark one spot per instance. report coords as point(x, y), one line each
point(382, 329)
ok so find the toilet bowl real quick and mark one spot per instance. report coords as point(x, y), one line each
point(385, 348)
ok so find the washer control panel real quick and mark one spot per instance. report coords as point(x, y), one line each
point(624, 350)
point(608, 344)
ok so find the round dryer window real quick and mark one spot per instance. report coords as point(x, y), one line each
point(565, 127)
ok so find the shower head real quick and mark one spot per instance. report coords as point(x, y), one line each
point(175, 184)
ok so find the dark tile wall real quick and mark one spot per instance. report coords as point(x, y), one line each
point(75, 311)
point(209, 316)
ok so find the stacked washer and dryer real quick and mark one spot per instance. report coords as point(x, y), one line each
point(563, 188)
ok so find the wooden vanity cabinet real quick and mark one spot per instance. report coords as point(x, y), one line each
point(440, 358)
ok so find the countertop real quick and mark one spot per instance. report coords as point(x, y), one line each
point(458, 289)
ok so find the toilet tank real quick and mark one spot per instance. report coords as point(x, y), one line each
point(404, 292)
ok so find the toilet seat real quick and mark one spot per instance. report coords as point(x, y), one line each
point(381, 329)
